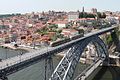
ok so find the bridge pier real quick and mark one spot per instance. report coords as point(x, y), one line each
point(48, 67)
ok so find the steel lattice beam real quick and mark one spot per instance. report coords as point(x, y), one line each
point(66, 67)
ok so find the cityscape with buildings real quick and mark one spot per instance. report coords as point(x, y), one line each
point(39, 29)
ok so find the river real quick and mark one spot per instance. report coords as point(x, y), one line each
point(37, 71)
point(108, 73)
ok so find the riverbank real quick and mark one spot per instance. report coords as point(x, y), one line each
point(8, 46)
point(20, 47)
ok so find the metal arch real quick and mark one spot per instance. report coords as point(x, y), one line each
point(99, 44)
point(66, 67)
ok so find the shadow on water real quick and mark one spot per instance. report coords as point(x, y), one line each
point(108, 73)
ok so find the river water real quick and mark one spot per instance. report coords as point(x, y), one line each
point(37, 71)
point(108, 73)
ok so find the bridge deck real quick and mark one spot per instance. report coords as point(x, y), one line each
point(21, 58)
point(10, 62)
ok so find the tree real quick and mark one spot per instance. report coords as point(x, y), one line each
point(98, 15)
point(86, 15)
point(90, 16)
point(103, 15)
point(109, 40)
point(54, 38)
point(43, 31)
point(81, 15)
point(53, 26)
point(84, 24)
point(59, 31)
point(60, 36)
point(95, 24)
point(81, 31)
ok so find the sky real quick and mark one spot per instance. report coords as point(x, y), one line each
point(25, 6)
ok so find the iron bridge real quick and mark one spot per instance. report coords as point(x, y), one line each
point(66, 67)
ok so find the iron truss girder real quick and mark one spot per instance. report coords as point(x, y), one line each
point(66, 67)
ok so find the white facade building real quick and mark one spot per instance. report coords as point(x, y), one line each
point(73, 16)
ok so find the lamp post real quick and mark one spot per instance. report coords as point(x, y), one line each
point(21, 53)
point(6, 52)
point(33, 42)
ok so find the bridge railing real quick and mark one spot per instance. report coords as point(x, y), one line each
point(18, 59)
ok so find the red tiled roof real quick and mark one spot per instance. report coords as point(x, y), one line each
point(60, 22)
